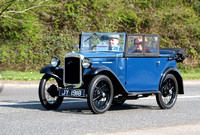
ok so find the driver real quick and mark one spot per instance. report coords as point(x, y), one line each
point(138, 45)
point(113, 42)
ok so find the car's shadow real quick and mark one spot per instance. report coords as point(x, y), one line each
point(75, 106)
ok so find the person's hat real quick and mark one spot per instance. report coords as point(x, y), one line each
point(114, 36)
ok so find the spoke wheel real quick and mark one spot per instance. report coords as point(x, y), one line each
point(48, 93)
point(168, 92)
point(100, 94)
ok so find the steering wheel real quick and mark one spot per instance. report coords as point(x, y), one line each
point(94, 46)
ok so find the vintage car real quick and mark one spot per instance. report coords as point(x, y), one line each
point(110, 68)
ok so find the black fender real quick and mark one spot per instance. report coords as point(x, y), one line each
point(56, 72)
point(118, 87)
point(176, 73)
point(98, 69)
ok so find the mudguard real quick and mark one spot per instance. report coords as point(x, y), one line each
point(56, 72)
point(176, 73)
point(97, 70)
point(108, 72)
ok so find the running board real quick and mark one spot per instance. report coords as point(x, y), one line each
point(138, 94)
point(142, 93)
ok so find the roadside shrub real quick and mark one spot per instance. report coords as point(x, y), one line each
point(34, 31)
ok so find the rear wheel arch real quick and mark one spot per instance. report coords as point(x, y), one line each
point(180, 82)
point(177, 75)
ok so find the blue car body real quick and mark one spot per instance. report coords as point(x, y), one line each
point(134, 73)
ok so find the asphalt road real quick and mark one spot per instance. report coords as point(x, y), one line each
point(21, 113)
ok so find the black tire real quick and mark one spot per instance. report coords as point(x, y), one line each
point(100, 94)
point(117, 101)
point(48, 93)
point(168, 92)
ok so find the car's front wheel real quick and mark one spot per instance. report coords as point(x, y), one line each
point(100, 94)
point(168, 92)
point(48, 93)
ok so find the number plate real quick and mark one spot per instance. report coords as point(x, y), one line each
point(72, 92)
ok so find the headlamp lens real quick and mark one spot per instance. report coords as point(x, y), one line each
point(55, 61)
point(86, 63)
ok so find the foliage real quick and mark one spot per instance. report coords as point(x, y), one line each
point(32, 31)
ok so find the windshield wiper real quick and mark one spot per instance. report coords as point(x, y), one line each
point(91, 36)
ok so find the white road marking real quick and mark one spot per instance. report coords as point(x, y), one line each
point(82, 101)
point(33, 103)
point(182, 97)
point(179, 97)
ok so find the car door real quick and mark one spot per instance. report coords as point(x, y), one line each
point(143, 69)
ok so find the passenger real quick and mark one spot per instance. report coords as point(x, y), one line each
point(113, 42)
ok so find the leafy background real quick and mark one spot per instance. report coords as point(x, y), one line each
point(32, 31)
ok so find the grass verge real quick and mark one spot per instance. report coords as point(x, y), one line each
point(20, 76)
point(190, 73)
point(36, 76)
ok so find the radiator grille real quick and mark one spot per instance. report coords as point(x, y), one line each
point(72, 70)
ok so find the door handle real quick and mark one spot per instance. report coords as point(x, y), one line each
point(158, 63)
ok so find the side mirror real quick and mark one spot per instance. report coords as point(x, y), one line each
point(76, 46)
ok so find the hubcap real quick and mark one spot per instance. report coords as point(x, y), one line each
point(103, 95)
point(52, 90)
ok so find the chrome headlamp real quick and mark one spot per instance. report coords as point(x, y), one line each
point(86, 63)
point(55, 61)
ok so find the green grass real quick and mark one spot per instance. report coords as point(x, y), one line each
point(36, 76)
point(191, 75)
point(22, 76)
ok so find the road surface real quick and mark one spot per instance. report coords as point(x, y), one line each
point(22, 113)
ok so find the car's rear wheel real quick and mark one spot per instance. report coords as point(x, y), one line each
point(100, 94)
point(168, 92)
point(48, 93)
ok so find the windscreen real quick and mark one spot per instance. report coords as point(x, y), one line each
point(103, 42)
point(143, 45)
